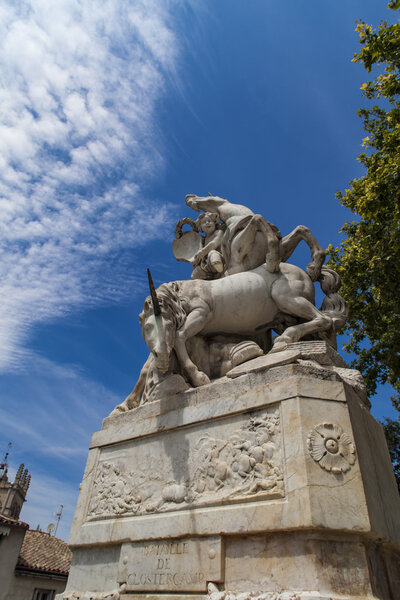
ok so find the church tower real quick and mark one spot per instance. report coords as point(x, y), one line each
point(12, 494)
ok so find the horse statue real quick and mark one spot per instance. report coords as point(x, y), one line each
point(241, 289)
point(241, 304)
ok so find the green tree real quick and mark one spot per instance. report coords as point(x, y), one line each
point(368, 260)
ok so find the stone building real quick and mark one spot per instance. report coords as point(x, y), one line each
point(34, 565)
point(13, 494)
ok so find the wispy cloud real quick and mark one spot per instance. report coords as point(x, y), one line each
point(77, 140)
point(54, 411)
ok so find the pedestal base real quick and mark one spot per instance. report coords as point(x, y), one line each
point(274, 484)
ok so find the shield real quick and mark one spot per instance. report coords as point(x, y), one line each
point(187, 246)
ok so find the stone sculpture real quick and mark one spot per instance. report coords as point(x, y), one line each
point(241, 289)
point(272, 482)
point(203, 253)
point(250, 240)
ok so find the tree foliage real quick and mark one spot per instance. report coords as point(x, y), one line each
point(368, 260)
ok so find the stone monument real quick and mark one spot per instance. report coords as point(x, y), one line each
point(240, 466)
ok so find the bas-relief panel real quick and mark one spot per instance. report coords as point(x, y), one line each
point(220, 462)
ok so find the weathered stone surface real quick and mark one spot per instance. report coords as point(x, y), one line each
point(93, 574)
point(317, 358)
point(328, 564)
point(319, 351)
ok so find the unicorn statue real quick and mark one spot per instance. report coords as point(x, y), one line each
point(241, 290)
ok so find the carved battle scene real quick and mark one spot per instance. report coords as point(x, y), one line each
point(243, 464)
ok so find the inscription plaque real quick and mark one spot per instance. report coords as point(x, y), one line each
point(180, 565)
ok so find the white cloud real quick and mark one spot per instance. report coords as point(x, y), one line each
point(54, 411)
point(81, 79)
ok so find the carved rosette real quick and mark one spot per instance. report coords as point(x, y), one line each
point(331, 448)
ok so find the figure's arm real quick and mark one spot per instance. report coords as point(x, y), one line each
point(208, 203)
point(213, 244)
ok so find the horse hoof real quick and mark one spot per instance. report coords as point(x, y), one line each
point(120, 408)
point(278, 348)
point(199, 379)
point(279, 345)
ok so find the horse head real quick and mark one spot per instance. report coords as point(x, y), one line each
point(162, 315)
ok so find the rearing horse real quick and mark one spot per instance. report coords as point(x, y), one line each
point(251, 241)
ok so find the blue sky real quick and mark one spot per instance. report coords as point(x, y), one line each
point(111, 113)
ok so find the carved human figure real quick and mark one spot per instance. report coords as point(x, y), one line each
point(208, 262)
point(242, 248)
point(266, 477)
point(250, 240)
point(218, 471)
point(243, 462)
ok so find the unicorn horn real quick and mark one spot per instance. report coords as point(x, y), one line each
point(153, 293)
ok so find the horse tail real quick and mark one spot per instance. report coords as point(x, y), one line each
point(333, 303)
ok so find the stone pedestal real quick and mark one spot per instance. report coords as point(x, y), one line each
point(274, 482)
